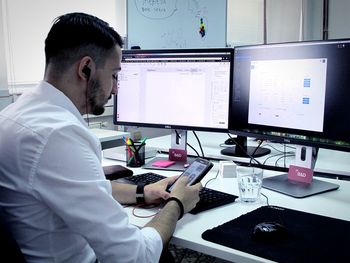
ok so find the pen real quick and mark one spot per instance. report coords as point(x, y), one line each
point(143, 142)
point(131, 144)
point(125, 140)
point(127, 143)
point(131, 159)
point(135, 155)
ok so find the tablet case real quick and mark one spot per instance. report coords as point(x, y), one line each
point(113, 172)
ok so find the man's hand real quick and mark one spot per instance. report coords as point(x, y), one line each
point(156, 192)
point(188, 195)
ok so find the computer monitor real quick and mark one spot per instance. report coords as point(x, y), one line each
point(182, 89)
point(293, 93)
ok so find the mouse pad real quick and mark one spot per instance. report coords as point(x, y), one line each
point(310, 238)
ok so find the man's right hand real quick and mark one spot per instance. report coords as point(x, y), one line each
point(188, 195)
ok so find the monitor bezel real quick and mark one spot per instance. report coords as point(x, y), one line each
point(263, 132)
point(167, 125)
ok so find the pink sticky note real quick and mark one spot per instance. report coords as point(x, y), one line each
point(163, 163)
point(300, 174)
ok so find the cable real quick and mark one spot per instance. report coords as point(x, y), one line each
point(86, 106)
point(284, 156)
point(216, 176)
point(267, 199)
point(199, 143)
point(277, 150)
point(278, 154)
point(145, 207)
point(189, 145)
point(237, 144)
point(252, 155)
point(229, 135)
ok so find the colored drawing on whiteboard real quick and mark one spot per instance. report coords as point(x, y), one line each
point(202, 28)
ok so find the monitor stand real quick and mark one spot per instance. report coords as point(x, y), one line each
point(305, 157)
point(282, 184)
point(177, 153)
point(242, 150)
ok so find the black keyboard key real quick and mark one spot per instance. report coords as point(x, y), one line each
point(146, 178)
point(209, 198)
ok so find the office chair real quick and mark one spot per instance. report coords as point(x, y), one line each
point(9, 248)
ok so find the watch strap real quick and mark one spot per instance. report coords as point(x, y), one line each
point(140, 193)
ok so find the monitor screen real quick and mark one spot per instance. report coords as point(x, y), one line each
point(293, 92)
point(185, 89)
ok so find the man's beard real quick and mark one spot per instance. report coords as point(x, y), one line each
point(95, 97)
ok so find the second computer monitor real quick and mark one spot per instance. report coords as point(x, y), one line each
point(293, 92)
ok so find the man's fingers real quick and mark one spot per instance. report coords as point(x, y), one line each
point(171, 180)
point(199, 186)
point(183, 180)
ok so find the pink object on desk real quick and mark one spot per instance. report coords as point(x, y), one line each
point(300, 174)
point(163, 163)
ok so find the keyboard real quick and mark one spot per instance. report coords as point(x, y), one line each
point(209, 198)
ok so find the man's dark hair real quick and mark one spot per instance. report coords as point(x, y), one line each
point(75, 35)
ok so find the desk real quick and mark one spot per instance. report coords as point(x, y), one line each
point(190, 228)
point(328, 161)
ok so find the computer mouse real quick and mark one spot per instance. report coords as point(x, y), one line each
point(230, 141)
point(269, 232)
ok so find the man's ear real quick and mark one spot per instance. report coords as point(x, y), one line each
point(86, 67)
point(87, 71)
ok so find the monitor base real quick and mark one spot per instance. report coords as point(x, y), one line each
point(248, 151)
point(282, 184)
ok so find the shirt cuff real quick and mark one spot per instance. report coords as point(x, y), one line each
point(154, 243)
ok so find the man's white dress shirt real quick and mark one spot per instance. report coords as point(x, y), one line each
point(53, 191)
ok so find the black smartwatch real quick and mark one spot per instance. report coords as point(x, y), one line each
point(140, 193)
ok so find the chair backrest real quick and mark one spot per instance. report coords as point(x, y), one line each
point(9, 248)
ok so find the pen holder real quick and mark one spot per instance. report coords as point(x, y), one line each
point(135, 154)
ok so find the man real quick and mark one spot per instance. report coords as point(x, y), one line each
point(53, 191)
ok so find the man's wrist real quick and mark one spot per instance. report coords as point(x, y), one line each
point(140, 193)
point(179, 203)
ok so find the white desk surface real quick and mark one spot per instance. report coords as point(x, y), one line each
point(109, 135)
point(190, 228)
point(328, 161)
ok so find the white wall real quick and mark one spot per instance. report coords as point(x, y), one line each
point(120, 26)
point(245, 22)
point(5, 99)
point(27, 24)
point(339, 19)
point(3, 74)
point(284, 20)
point(313, 19)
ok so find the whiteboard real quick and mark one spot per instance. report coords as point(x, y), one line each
point(153, 24)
